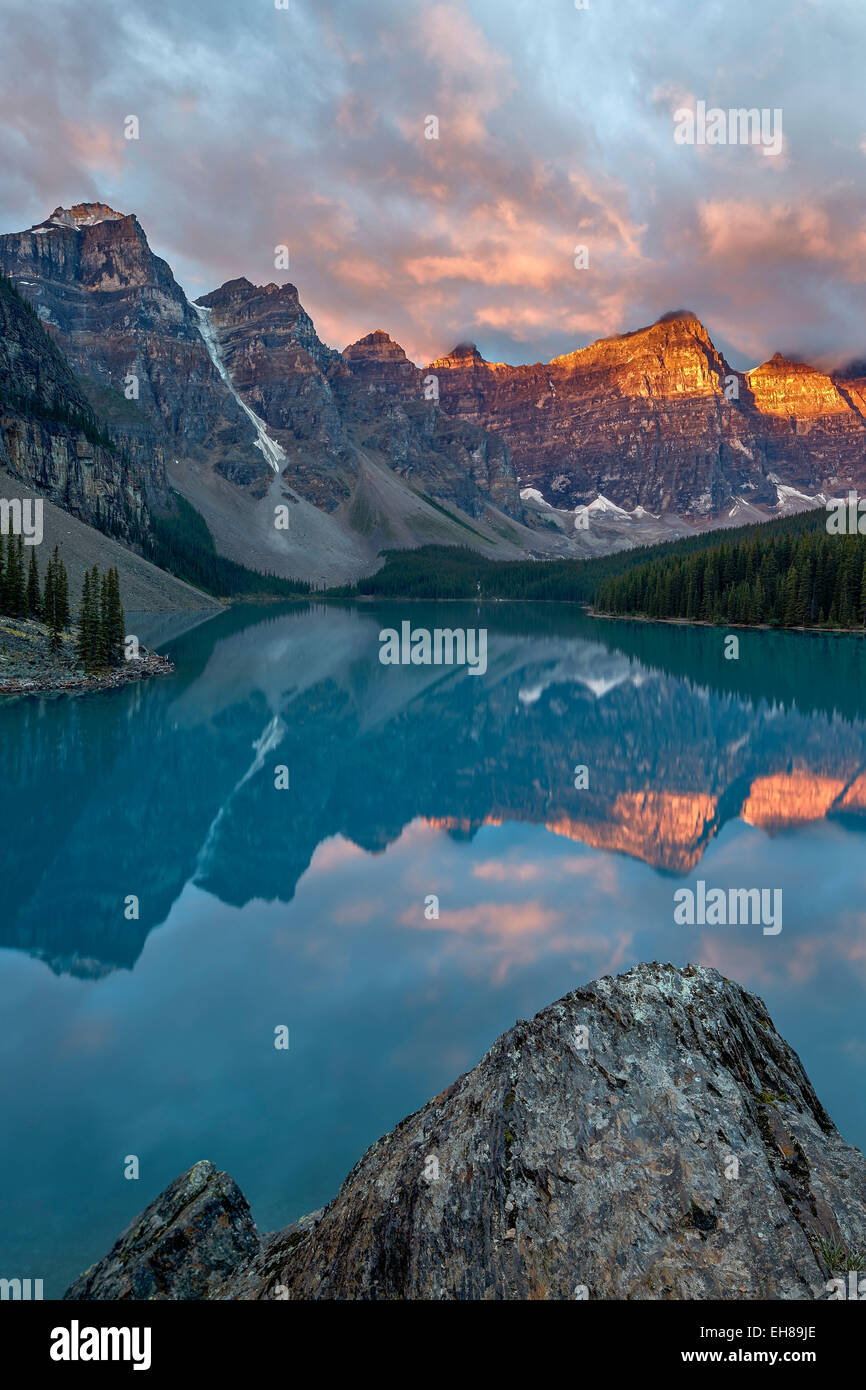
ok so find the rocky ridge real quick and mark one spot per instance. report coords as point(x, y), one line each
point(50, 437)
point(655, 423)
point(658, 418)
point(332, 411)
point(125, 326)
point(363, 469)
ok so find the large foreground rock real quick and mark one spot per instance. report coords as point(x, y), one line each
point(196, 1232)
point(648, 1136)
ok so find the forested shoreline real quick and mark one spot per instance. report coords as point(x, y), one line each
point(813, 580)
point(786, 573)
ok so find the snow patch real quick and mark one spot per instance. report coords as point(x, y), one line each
point(791, 494)
point(273, 452)
point(740, 506)
point(67, 218)
point(531, 494)
point(602, 506)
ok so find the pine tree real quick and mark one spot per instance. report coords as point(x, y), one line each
point(95, 620)
point(50, 606)
point(4, 548)
point(82, 641)
point(102, 635)
point(34, 599)
point(115, 621)
point(17, 582)
point(87, 644)
point(48, 593)
point(62, 590)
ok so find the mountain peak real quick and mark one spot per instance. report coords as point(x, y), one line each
point(243, 289)
point(465, 354)
point(674, 320)
point(678, 328)
point(376, 346)
point(466, 349)
point(781, 362)
point(674, 315)
point(80, 215)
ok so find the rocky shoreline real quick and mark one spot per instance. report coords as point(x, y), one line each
point(648, 1136)
point(30, 665)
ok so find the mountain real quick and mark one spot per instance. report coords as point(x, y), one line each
point(590, 1154)
point(51, 438)
point(243, 409)
point(331, 413)
point(236, 402)
point(127, 329)
point(658, 419)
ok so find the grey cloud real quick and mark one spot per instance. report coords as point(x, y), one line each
point(306, 126)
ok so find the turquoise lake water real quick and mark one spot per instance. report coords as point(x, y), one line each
point(305, 906)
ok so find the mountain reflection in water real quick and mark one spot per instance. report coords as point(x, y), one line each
point(305, 906)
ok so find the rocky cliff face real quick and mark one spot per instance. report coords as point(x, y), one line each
point(50, 437)
point(395, 411)
point(657, 418)
point(331, 411)
point(361, 458)
point(648, 1136)
point(118, 314)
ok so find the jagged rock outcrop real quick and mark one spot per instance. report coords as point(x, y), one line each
point(330, 411)
point(394, 409)
point(118, 313)
point(50, 438)
point(648, 1136)
point(186, 1242)
point(657, 418)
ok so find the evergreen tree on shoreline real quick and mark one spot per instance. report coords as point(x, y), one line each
point(99, 642)
point(115, 621)
point(13, 598)
point(816, 579)
point(34, 597)
point(55, 603)
point(61, 599)
point(87, 643)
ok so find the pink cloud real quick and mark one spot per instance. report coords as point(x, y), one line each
point(333, 854)
point(499, 920)
point(97, 148)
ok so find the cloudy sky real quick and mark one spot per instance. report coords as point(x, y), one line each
point(305, 126)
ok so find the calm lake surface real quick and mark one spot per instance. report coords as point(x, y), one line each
point(305, 907)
